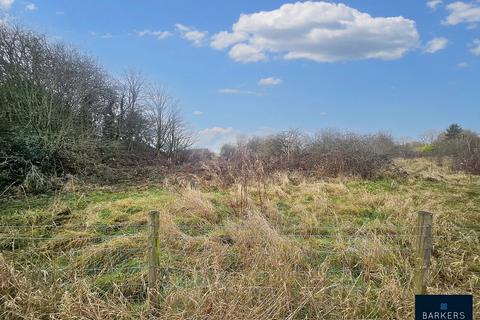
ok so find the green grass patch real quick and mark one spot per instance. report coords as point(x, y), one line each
point(133, 210)
point(373, 186)
point(104, 214)
point(193, 226)
point(367, 216)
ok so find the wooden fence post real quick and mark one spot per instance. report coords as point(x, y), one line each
point(153, 259)
point(423, 251)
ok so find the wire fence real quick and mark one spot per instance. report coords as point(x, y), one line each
point(135, 269)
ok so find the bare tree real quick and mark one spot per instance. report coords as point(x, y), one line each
point(160, 105)
point(178, 136)
point(292, 142)
point(134, 85)
point(132, 126)
point(429, 136)
point(169, 131)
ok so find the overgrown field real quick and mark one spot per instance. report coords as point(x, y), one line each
point(291, 247)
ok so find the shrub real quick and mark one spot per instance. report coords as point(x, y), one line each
point(463, 149)
point(330, 153)
point(335, 153)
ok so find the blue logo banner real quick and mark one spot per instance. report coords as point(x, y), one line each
point(443, 307)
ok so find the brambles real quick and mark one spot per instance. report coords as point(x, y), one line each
point(328, 153)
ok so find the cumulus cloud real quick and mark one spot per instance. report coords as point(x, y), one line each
point(214, 138)
point(475, 47)
point(197, 113)
point(433, 4)
point(225, 39)
point(463, 64)
point(462, 12)
point(318, 31)
point(30, 7)
point(436, 44)
point(270, 81)
point(191, 34)
point(245, 53)
point(6, 4)
point(160, 35)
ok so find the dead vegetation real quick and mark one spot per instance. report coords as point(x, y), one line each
point(284, 246)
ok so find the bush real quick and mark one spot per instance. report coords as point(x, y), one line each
point(463, 149)
point(335, 153)
point(330, 153)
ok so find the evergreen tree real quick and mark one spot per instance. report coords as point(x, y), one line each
point(453, 131)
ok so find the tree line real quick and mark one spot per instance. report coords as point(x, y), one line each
point(332, 153)
point(62, 113)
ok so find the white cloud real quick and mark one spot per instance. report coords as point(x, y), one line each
point(236, 91)
point(433, 4)
point(462, 12)
point(319, 31)
point(30, 7)
point(106, 35)
point(463, 64)
point(191, 34)
point(475, 47)
point(197, 113)
point(245, 53)
point(225, 39)
point(59, 13)
point(214, 138)
point(6, 4)
point(270, 81)
point(160, 35)
point(436, 44)
point(229, 91)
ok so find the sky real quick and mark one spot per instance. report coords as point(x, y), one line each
point(249, 67)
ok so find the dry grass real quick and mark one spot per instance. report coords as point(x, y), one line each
point(302, 248)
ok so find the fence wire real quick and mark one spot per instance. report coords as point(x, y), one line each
point(44, 261)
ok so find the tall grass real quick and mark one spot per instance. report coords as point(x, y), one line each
point(302, 248)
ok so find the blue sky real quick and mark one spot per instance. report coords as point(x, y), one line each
point(364, 65)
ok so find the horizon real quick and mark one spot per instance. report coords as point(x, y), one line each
point(238, 76)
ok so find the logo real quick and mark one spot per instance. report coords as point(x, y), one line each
point(443, 307)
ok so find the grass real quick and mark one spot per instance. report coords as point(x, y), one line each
point(305, 248)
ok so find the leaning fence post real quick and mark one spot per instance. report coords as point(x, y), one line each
point(153, 259)
point(423, 251)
